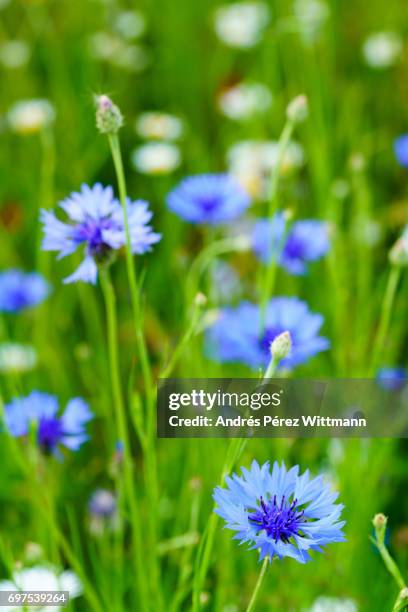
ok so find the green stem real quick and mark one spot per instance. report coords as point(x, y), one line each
point(271, 369)
point(121, 422)
point(385, 316)
point(270, 269)
point(204, 259)
point(189, 333)
point(390, 564)
point(251, 605)
point(130, 264)
point(401, 602)
point(282, 147)
point(149, 449)
point(235, 448)
point(112, 332)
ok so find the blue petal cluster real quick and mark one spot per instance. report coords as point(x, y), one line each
point(97, 223)
point(20, 290)
point(280, 513)
point(401, 150)
point(102, 503)
point(392, 379)
point(208, 198)
point(239, 336)
point(40, 411)
point(304, 242)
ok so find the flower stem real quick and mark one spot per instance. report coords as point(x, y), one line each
point(121, 423)
point(389, 563)
point(206, 257)
point(251, 605)
point(271, 369)
point(131, 270)
point(112, 332)
point(149, 449)
point(185, 339)
point(270, 269)
point(401, 602)
point(385, 317)
point(235, 448)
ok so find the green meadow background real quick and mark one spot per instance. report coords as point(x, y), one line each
point(354, 111)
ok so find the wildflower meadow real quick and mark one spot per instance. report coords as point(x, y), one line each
point(203, 189)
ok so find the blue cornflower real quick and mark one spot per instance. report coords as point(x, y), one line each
point(280, 513)
point(305, 241)
point(40, 411)
point(97, 223)
point(208, 198)
point(102, 503)
point(401, 150)
point(238, 336)
point(19, 290)
point(392, 379)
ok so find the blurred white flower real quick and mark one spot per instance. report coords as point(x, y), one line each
point(156, 158)
point(245, 100)
point(108, 48)
point(382, 49)
point(14, 53)
point(311, 16)
point(332, 604)
point(130, 24)
point(4, 3)
point(251, 162)
point(30, 116)
point(42, 578)
point(241, 24)
point(17, 357)
point(159, 126)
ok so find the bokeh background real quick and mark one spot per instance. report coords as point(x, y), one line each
point(351, 61)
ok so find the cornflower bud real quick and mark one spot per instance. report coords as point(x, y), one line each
point(298, 109)
point(109, 119)
point(281, 346)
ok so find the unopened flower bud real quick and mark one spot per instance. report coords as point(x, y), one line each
point(200, 299)
point(357, 162)
point(298, 109)
point(398, 254)
point(380, 525)
point(109, 119)
point(281, 346)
